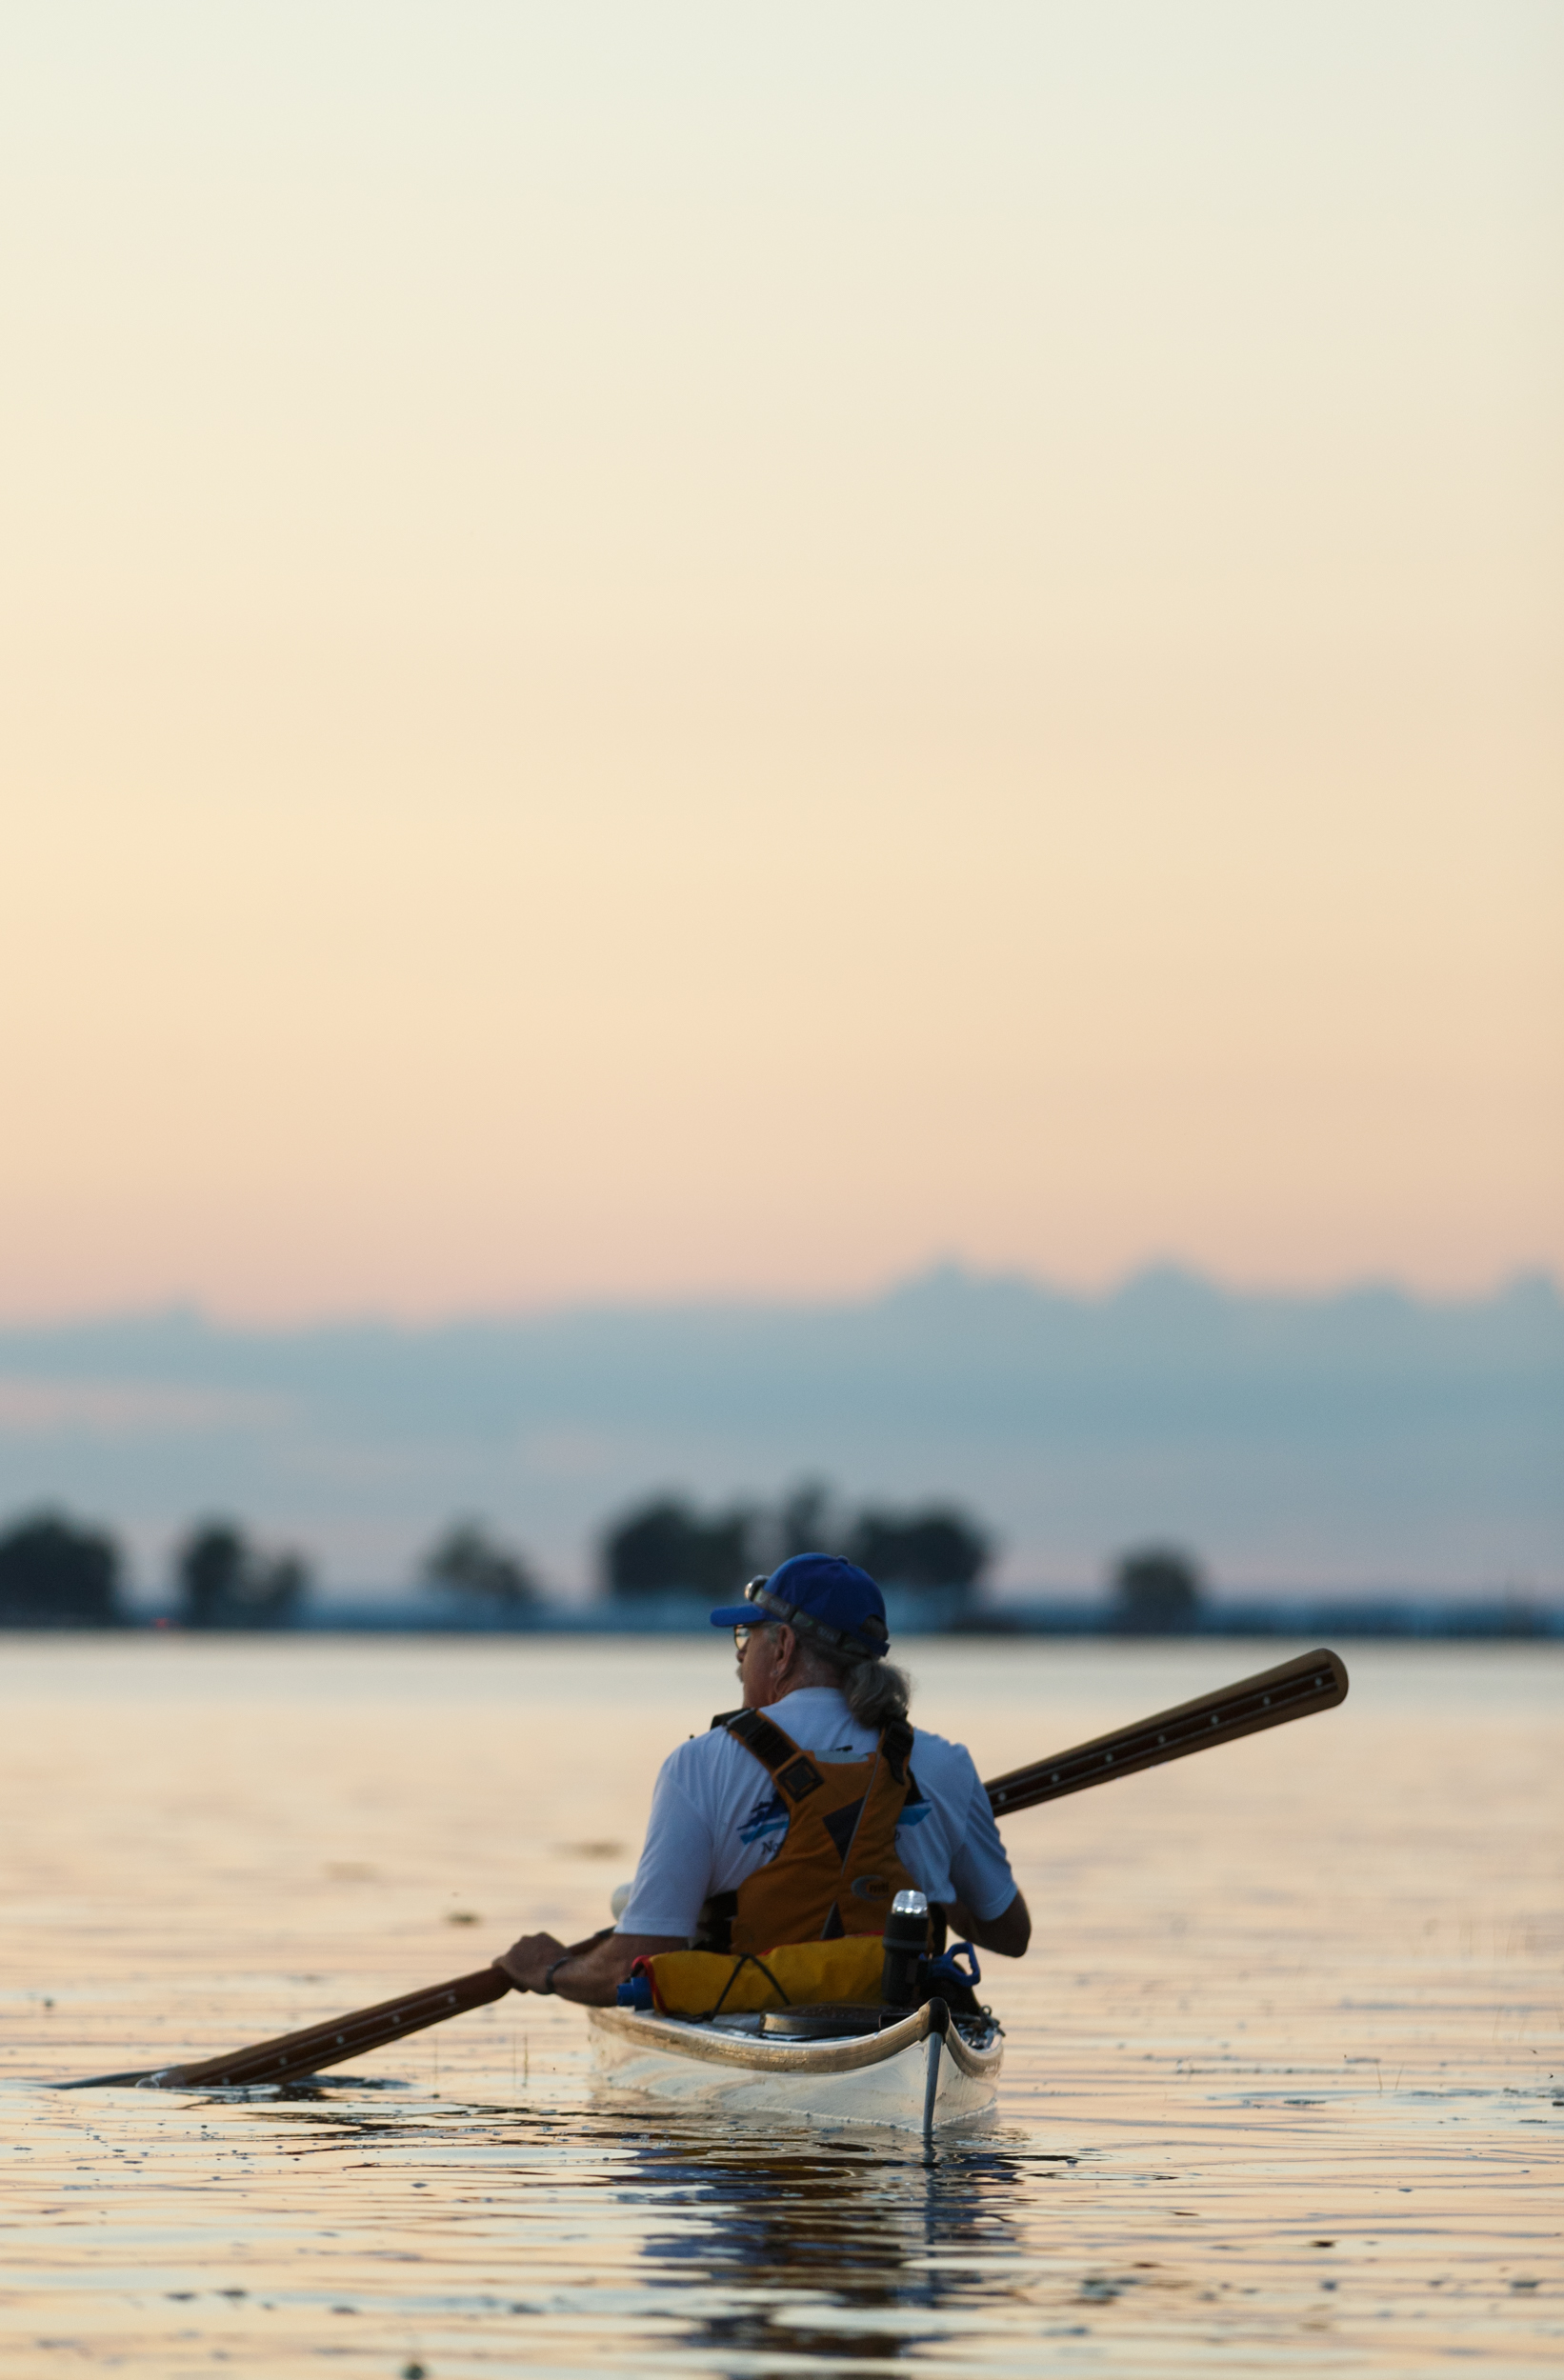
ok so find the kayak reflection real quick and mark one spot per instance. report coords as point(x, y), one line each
point(838, 2248)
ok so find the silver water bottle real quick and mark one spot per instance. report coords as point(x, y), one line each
point(906, 1942)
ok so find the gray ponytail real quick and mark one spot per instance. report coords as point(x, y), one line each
point(875, 1691)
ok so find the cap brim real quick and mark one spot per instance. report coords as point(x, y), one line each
point(735, 1614)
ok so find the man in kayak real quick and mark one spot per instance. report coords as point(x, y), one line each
point(799, 1817)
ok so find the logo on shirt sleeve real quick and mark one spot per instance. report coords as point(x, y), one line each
point(769, 1816)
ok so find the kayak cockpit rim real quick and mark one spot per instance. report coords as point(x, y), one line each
point(770, 2053)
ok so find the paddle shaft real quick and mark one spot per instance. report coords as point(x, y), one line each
point(1316, 1681)
point(290, 2056)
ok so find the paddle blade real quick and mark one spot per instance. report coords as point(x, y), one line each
point(1315, 1680)
point(290, 2056)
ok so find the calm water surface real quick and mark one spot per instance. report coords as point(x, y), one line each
point(1283, 2083)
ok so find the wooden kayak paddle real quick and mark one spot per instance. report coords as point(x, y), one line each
point(1315, 1680)
point(291, 2056)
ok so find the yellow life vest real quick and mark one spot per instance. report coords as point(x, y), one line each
point(837, 1871)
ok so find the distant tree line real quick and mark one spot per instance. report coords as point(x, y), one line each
point(668, 1547)
point(224, 1581)
point(55, 1574)
point(472, 1566)
point(1158, 1591)
point(58, 1573)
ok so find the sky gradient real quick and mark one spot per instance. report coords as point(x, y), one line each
point(703, 651)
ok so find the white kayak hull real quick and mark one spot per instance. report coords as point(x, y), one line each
point(917, 2075)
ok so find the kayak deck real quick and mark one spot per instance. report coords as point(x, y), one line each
point(918, 2074)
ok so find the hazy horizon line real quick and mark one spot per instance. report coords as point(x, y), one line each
point(1169, 1269)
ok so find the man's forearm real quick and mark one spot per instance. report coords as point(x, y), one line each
point(591, 1973)
point(595, 1977)
point(1007, 1934)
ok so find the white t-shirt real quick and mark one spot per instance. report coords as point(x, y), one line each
point(717, 1817)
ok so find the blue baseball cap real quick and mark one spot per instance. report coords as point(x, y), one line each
point(819, 1594)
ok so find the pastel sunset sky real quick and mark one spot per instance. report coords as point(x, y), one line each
point(691, 649)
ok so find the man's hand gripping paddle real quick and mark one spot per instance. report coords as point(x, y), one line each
point(1316, 1681)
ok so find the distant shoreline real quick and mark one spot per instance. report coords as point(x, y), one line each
point(1488, 1621)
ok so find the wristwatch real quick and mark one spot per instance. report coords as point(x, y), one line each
point(550, 1973)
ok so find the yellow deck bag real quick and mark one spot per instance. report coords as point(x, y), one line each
point(797, 1974)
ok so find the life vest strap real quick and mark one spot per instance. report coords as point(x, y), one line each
point(775, 1750)
point(791, 1771)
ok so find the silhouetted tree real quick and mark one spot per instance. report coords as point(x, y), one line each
point(807, 1522)
point(467, 1562)
point(225, 1582)
point(53, 1574)
point(666, 1547)
point(1156, 1592)
point(938, 1546)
